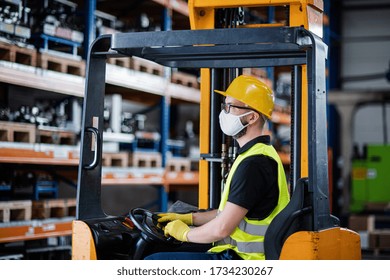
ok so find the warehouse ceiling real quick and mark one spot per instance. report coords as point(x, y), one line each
point(365, 44)
point(365, 4)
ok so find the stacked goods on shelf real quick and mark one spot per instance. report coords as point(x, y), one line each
point(57, 37)
point(259, 73)
point(23, 140)
point(123, 62)
point(55, 27)
point(48, 129)
point(178, 155)
point(59, 64)
point(18, 210)
point(17, 132)
point(55, 135)
point(145, 159)
point(27, 210)
point(14, 20)
point(178, 164)
point(146, 66)
point(185, 79)
point(53, 208)
point(120, 159)
point(29, 56)
point(21, 55)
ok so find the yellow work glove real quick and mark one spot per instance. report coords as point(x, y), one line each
point(169, 217)
point(178, 230)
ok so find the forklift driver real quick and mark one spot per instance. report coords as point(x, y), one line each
point(255, 190)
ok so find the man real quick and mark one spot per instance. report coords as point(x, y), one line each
point(255, 190)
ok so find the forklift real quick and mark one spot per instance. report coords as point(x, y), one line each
point(221, 45)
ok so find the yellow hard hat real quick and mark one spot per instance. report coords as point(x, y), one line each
point(252, 92)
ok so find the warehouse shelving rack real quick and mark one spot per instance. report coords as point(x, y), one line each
point(30, 76)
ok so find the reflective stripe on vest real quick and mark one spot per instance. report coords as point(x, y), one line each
point(244, 247)
point(247, 247)
point(252, 229)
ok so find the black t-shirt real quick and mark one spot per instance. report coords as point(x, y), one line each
point(254, 185)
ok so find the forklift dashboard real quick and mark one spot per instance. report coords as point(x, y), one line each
point(130, 236)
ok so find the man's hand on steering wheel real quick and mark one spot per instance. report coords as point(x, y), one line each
point(169, 217)
point(178, 230)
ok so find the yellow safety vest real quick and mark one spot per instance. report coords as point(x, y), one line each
point(247, 240)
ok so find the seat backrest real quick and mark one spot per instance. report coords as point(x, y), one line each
point(296, 216)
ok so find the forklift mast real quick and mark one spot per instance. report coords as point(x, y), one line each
point(213, 146)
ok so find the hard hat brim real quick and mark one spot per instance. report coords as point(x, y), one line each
point(221, 92)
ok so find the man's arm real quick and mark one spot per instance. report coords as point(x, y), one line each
point(219, 227)
point(200, 218)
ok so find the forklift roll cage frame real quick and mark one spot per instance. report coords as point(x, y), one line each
point(214, 49)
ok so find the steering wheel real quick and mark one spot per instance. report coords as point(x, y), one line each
point(146, 222)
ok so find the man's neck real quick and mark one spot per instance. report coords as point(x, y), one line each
point(248, 137)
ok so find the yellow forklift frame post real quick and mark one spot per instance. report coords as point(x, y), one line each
point(305, 13)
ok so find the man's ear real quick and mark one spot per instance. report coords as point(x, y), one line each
point(254, 117)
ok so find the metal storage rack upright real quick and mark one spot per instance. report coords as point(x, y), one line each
point(29, 76)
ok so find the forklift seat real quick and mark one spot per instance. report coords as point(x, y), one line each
point(296, 216)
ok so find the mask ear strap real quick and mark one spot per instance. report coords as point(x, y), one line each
point(243, 115)
point(246, 114)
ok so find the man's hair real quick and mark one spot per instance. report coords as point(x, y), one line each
point(263, 119)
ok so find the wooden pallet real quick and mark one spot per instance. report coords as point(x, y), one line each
point(178, 164)
point(116, 159)
point(145, 159)
point(282, 109)
point(13, 53)
point(143, 65)
point(368, 222)
point(377, 207)
point(376, 228)
point(53, 208)
point(259, 73)
point(18, 210)
point(120, 61)
point(17, 132)
point(56, 137)
point(256, 72)
point(185, 79)
point(379, 240)
point(61, 64)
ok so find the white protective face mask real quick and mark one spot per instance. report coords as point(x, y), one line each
point(231, 124)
